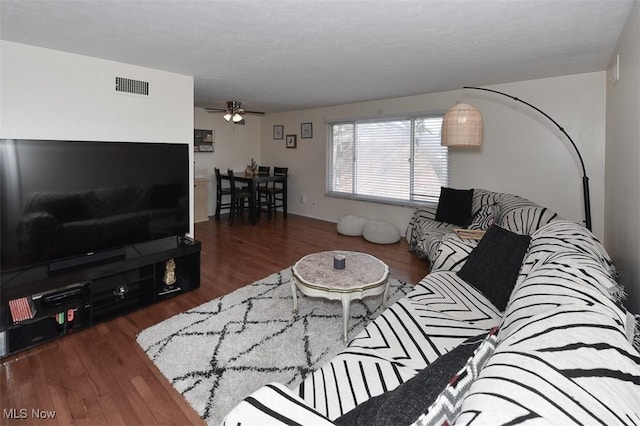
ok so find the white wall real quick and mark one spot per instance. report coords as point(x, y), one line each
point(523, 153)
point(235, 145)
point(49, 94)
point(622, 232)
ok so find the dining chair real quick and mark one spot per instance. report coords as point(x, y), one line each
point(276, 191)
point(262, 190)
point(238, 197)
point(221, 192)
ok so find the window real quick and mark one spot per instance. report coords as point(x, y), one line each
point(396, 161)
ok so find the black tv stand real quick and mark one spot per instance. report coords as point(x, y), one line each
point(73, 294)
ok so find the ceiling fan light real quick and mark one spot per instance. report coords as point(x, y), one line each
point(236, 117)
point(228, 116)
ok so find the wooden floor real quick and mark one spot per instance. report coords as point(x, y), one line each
point(100, 376)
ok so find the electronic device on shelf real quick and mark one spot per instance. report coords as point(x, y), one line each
point(65, 295)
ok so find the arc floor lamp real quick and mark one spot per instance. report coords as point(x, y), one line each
point(462, 126)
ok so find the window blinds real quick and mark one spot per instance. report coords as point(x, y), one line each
point(396, 160)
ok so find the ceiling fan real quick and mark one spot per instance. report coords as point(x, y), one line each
point(234, 111)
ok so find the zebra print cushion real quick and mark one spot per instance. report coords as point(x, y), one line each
point(485, 217)
point(483, 197)
point(571, 365)
point(517, 214)
point(525, 219)
point(453, 253)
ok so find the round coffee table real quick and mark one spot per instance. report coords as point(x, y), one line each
point(363, 276)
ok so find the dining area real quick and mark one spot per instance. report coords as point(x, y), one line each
point(253, 191)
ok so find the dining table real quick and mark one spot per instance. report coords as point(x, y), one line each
point(252, 182)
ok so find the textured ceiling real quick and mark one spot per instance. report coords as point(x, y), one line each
point(287, 55)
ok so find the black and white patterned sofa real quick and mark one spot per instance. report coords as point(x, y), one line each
point(424, 233)
point(561, 352)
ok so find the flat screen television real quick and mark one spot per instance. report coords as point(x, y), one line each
point(65, 199)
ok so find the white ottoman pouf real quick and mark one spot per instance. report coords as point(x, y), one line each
point(351, 225)
point(380, 232)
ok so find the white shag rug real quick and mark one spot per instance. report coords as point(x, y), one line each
point(218, 353)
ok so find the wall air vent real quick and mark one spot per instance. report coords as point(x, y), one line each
point(127, 85)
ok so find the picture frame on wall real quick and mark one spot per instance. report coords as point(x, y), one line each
point(203, 140)
point(306, 130)
point(278, 132)
point(291, 141)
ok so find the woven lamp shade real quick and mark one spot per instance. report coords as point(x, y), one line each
point(462, 126)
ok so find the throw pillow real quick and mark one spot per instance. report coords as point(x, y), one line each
point(407, 402)
point(486, 216)
point(493, 266)
point(454, 206)
point(447, 404)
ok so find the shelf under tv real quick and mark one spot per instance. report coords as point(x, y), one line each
point(69, 299)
